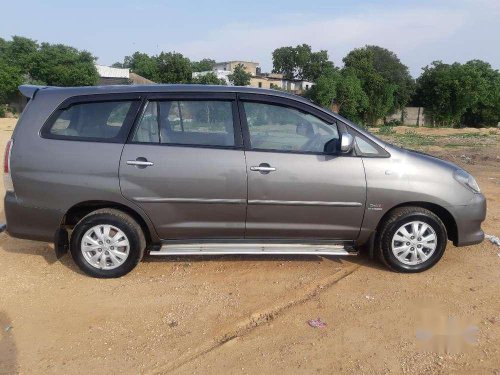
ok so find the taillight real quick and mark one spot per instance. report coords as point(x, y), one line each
point(6, 157)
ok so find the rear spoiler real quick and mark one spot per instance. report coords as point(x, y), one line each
point(30, 91)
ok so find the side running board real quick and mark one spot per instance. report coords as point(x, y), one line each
point(252, 249)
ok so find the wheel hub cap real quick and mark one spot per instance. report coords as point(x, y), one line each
point(414, 243)
point(105, 247)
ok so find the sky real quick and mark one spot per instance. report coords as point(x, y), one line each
point(419, 32)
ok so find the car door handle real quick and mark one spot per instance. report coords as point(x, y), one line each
point(263, 168)
point(140, 163)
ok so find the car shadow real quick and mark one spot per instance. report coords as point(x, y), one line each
point(43, 250)
point(362, 259)
point(229, 258)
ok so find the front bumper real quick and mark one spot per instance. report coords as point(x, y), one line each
point(468, 219)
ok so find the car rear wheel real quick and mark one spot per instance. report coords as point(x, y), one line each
point(107, 243)
point(411, 239)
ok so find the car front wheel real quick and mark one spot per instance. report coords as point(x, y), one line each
point(411, 239)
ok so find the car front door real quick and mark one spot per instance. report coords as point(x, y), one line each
point(294, 189)
point(184, 165)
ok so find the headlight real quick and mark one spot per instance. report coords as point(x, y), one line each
point(467, 180)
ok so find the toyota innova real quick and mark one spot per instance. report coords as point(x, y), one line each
point(111, 173)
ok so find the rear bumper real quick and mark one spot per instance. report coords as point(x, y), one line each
point(468, 219)
point(32, 223)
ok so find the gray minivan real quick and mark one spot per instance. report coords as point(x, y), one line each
point(110, 173)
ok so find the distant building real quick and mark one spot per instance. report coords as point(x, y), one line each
point(221, 74)
point(119, 76)
point(262, 80)
point(250, 67)
point(112, 76)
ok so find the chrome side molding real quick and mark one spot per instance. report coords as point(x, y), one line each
point(304, 203)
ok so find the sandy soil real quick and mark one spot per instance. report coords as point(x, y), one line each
point(249, 314)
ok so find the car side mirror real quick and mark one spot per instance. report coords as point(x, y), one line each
point(343, 145)
point(346, 143)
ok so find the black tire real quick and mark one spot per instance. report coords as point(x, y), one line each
point(120, 220)
point(394, 221)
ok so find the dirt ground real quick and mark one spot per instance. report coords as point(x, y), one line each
point(250, 315)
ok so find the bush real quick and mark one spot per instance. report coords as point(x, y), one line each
point(386, 130)
point(2, 111)
point(393, 122)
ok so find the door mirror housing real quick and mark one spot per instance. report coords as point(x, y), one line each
point(343, 145)
point(346, 143)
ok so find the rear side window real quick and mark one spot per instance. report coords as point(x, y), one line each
point(92, 121)
point(188, 122)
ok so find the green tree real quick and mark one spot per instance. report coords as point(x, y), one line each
point(23, 60)
point(20, 52)
point(16, 60)
point(441, 94)
point(143, 65)
point(324, 91)
point(388, 65)
point(60, 65)
point(208, 79)
point(381, 91)
point(317, 65)
point(343, 89)
point(460, 94)
point(173, 67)
point(203, 65)
point(352, 101)
point(284, 62)
point(10, 78)
point(301, 63)
point(483, 81)
point(240, 77)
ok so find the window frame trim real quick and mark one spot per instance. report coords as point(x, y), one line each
point(382, 153)
point(287, 103)
point(134, 98)
point(191, 96)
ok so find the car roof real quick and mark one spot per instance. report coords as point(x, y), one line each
point(31, 90)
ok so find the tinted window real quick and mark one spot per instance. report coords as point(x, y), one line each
point(274, 127)
point(102, 120)
point(208, 123)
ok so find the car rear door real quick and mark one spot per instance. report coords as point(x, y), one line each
point(294, 189)
point(185, 166)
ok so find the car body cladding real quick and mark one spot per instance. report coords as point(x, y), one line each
point(74, 170)
point(190, 191)
point(309, 195)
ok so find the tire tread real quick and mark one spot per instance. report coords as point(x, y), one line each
point(393, 217)
point(125, 219)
